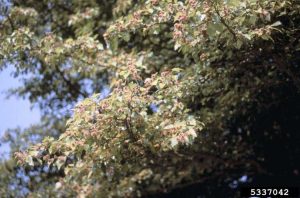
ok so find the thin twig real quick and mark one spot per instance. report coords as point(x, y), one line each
point(224, 23)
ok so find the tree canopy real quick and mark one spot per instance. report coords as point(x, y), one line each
point(200, 93)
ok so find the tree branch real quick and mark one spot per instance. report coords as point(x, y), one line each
point(224, 23)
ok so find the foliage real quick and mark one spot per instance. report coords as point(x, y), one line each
point(188, 80)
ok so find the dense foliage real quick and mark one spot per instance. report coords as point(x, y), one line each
point(200, 91)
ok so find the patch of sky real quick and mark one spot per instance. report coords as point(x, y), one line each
point(154, 108)
point(14, 112)
point(235, 183)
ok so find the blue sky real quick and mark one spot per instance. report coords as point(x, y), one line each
point(14, 111)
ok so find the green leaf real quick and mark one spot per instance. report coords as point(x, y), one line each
point(239, 44)
point(177, 69)
point(125, 36)
point(277, 23)
point(161, 85)
point(177, 46)
point(113, 44)
point(174, 142)
point(214, 29)
point(29, 160)
point(234, 3)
